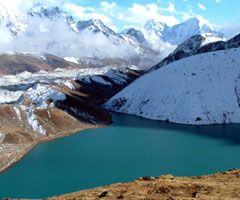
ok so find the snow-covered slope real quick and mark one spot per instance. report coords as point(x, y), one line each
point(201, 89)
point(12, 18)
point(180, 32)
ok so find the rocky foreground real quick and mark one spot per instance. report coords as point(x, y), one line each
point(222, 185)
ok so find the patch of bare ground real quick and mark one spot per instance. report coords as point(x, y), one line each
point(220, 186)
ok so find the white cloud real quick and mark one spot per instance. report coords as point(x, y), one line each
point(55, 37)
point(138, 14)
point(108, 7)
point(201, 6)
point(114, 28)
point(186, 16)
point(86, 13)
point(218, 1)
point(170, 8)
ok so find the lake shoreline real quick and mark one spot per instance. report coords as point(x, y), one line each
point(25, 150)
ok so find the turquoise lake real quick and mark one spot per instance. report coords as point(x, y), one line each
point(129, 148)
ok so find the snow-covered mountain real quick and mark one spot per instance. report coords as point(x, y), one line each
point(96, 26)
point(199, 44)
point(191, 46)
point(200, 89)
point(132, 46)
point(42, 10)
point(180, 32)
point(53, 13)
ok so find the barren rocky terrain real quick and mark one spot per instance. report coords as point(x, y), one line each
point(219, 186)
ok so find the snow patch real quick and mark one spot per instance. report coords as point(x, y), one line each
point(100, 80)
point(18, 113)
point(32, 121)
point(2, 136)
point(71, 59)
point(39, 94)
point(69, 84)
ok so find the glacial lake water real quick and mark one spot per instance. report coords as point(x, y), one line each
point(129, 148)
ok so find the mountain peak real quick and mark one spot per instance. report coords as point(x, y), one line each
point(95, 25)
point(43, 10)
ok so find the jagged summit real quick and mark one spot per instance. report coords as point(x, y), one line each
point(135, 34)
point(95, 25)
point(43, 10)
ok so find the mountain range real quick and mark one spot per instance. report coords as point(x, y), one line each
point(133, 45)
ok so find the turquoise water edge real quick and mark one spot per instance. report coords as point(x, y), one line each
point(129, 148)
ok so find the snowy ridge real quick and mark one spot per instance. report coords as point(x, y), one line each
point(96, 26)
point(199, 44)
point(201, 89)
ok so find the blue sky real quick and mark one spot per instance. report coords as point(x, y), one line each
point(119, 13)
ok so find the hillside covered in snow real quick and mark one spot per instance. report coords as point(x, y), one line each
point(201, 89)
